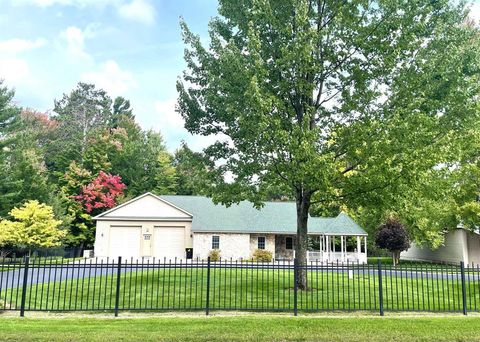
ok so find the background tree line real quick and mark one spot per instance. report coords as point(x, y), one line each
point(87, 155)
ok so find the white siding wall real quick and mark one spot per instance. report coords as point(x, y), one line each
point(147, 207)
point(235, 246)
point(454, 249)
point(473, 241)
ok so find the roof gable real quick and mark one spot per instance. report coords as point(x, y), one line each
point(146, 206)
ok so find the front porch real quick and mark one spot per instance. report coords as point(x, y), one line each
point(325, 248)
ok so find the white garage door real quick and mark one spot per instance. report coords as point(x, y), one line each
point(124, 242)
point(169, 243)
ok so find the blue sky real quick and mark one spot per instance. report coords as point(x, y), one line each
point(131, 48)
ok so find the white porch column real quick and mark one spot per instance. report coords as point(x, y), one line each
point(365, 240)
point(342, 245)
point(359, 248)
point(320, 245)
point(333, 248)
point(327, 247)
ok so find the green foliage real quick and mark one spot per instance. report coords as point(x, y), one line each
point(262, 255)
point(166, 174)
point(337, 104)
point(214, 255)
point(79, 114)
point(80, 230)
point(6, 233)
point(192, 175)
point(121, 111)
point(33, 226)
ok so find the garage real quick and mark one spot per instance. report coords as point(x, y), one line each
point(169, 242)
point(144, 227)
point(124, 242)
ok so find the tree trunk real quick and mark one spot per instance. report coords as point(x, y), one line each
point(303, 205)
point(396, 258)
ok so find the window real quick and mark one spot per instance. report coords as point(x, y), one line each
point(288, 243)
point(261, 242)
point(215, 242)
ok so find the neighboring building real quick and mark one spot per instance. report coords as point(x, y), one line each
point(459, 245)
point(186, 227)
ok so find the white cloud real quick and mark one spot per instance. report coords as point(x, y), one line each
point(138, 10)
point(171, 125)
point(168, 116)
point(13, 70)
point(111, 78)
point(16, 45)
point(475, 12)
point(75, 39)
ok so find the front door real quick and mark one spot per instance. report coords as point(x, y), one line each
point(147, 245)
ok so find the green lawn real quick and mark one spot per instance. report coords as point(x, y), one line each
point(246, 328)
point(257, 289)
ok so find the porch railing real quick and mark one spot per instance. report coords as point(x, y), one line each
point(334, 256)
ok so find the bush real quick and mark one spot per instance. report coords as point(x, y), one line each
point(393, 236)
point(262, 255)
point(214, 255)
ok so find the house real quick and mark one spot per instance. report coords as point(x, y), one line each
point(189, 227)
point(459, 245)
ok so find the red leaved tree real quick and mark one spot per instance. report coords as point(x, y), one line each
point(102, 192)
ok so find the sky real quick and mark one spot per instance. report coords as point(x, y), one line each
point(130, 48)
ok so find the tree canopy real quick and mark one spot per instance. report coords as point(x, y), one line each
point(33, 226)
point(334, 101)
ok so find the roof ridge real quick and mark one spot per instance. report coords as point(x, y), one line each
point(245, 200)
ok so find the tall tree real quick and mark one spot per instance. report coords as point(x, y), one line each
point(191, 172)
point(332, 99)
point(9, 122)
point(80, 113)
point(121, 111)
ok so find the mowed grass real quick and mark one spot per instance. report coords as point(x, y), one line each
point(246, 328)
point(246, 289)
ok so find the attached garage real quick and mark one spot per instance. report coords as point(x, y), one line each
point(169, 242)
point(124, 241)
point(145, 227)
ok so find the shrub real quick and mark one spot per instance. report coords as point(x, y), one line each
point(262, 255)
point(214, 255)
point(393, 236)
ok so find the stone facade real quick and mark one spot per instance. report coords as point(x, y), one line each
point(234, 246)
point(281, 252)
point(269, 243)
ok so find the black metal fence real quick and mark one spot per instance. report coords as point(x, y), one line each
point(47, 284)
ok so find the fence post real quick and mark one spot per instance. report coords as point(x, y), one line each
point(117, 293)
point(295, 286)
point(207, 303)
point(380, 287)
point(464, 290)
point(24, 287)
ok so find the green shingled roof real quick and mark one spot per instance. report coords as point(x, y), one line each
point(274, 217)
